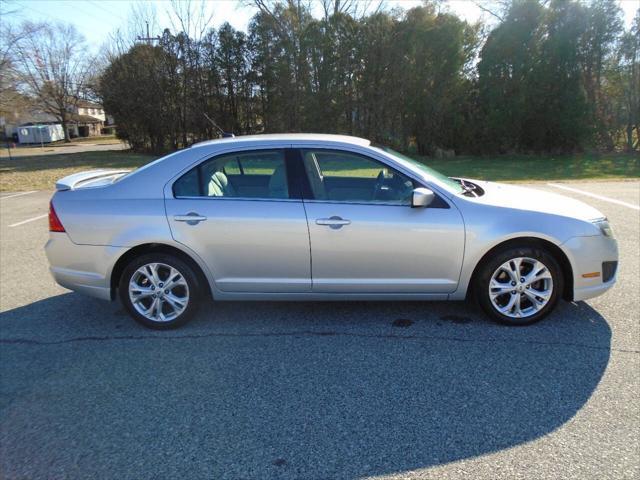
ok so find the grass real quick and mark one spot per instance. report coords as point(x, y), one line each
point(540, 167)
point(41, 172)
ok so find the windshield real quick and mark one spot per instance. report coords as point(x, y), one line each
point(449, 182)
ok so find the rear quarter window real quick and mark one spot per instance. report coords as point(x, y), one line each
point(188, 185)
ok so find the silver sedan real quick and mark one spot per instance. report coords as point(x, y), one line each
point(319, 217)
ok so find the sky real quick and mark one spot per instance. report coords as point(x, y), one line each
point(97, 19)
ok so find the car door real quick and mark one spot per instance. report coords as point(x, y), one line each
point(240, 214)
point(366, 238)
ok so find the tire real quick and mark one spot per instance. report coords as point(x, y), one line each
point(510, 301)
point(140, 287)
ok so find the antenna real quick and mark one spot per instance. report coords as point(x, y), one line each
point(222, 132)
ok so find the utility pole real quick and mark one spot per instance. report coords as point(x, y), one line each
point(148, 39)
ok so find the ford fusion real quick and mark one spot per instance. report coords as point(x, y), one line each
point(319, 217)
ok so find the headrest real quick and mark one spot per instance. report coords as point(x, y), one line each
point(220, 178)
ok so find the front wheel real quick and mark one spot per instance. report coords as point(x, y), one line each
point(159, 291)
point(519, 286)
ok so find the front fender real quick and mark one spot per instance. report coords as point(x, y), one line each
point(488, 227)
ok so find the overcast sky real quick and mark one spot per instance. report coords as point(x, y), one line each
point(96, 19)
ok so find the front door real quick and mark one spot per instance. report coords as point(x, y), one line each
point(237, 213)
point(366, 238)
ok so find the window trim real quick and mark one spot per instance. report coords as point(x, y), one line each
point(296, 197)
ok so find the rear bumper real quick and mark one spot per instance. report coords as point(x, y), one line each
point(82, 268)
point(587, 255)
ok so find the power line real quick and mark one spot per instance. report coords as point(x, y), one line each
point(80, 9)
point(114, 15)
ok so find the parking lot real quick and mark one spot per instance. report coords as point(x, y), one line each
point(316, 390)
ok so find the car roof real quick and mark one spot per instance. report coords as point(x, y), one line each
point(286, 137)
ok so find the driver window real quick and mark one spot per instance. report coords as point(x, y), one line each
point(349, 177)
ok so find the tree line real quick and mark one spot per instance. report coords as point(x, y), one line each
point(552, 76)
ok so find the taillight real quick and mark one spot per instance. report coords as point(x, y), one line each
point(55, 225)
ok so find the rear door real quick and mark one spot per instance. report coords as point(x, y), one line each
point(366, 238)
point(240, 213)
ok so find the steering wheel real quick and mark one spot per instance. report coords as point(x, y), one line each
point(379, 187)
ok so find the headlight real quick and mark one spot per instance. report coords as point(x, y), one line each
point(605, 228)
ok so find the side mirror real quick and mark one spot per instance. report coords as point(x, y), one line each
point(422, 197)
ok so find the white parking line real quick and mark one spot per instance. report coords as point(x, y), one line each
point(29, 220)
point(593, 195)
point(18, 194)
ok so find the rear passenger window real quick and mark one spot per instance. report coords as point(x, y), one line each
point(257, 174)
point(260, 164)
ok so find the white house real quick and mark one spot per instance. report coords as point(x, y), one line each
point(86, 119)
point(91, 109)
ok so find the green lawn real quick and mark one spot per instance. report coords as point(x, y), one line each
point(533, 167)
point(41, 172)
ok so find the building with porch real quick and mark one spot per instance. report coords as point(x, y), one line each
point(85, 119)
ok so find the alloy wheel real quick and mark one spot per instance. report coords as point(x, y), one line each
point(520, 287)
point(159, 292)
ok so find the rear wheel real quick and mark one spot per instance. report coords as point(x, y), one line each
point(519, 286)
point(159, 291)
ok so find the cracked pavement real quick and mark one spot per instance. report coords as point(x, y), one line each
point(315, 390)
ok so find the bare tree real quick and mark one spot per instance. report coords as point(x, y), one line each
point(354, 8)
point(53, 65)
point(497, 8)
point(8, 7)
point(142, 16)
point(191, 17)
point(11, 100)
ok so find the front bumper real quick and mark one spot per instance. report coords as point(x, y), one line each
point(82, 268)
point(587, 256)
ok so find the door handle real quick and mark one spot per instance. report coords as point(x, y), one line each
point(333, 222)
point(191, 218)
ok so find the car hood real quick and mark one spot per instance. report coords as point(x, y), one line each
point(522, 198)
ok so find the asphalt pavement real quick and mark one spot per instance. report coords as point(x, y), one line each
point(316, 390)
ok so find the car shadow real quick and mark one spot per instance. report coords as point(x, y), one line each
point(289, 390)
